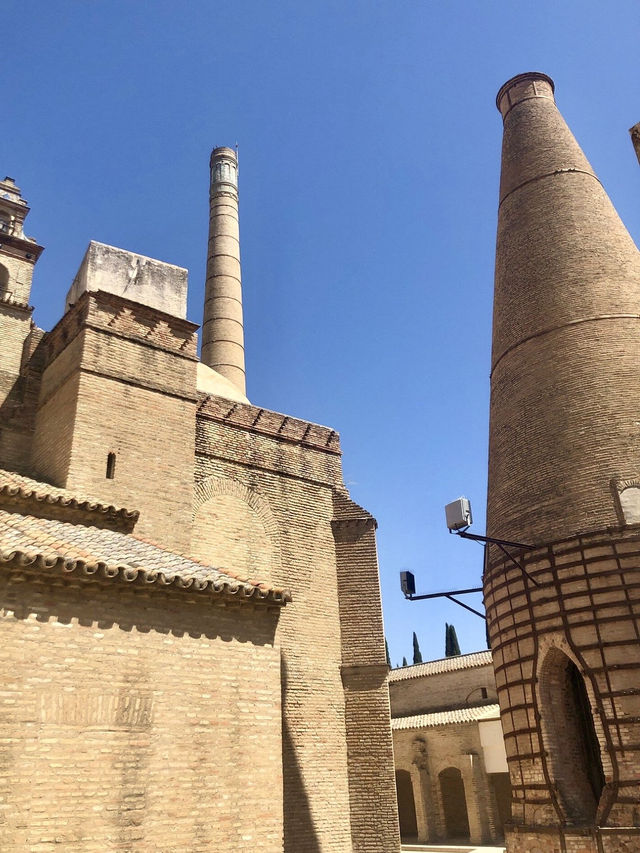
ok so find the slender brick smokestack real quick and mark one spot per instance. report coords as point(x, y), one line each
point(565, 377)
point(222, 329)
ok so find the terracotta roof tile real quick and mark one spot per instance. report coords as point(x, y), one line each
point(447, 718)
point(435, 667)
point(15, 485)
point(49, 544)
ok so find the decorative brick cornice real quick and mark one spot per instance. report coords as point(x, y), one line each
point(265, 422)
point(113, 314)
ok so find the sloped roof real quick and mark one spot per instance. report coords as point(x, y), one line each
point(435, 667)
point(15, 485)
point(50, 545)
point(447, 718)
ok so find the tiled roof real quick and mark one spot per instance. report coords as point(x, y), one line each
point(435, 667)
point(15, 485)
point(50, 545)
point(447, 718)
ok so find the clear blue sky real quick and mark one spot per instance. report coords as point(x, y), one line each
point(369, 151)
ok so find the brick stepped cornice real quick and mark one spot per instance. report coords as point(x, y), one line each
point(116, 315)
point(266, 422)
point(44, 546)
point(435, 667)
point(447, 718)
point(18, 490)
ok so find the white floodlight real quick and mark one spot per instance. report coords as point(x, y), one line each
point(458, 514)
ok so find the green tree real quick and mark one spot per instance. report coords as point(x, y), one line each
point(404, 662)
point(386, 649)
point(417, 656)
point(451, 645)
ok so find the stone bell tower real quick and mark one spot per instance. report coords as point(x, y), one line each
point(564, 477)
point(18, 256)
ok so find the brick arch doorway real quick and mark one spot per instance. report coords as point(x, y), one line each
point(454, 804)
point(574, 748)
point(406, 806)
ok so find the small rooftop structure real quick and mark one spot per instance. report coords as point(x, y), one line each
point(147, 281)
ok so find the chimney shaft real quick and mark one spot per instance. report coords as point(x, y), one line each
point(566, 333)
point(222, 327)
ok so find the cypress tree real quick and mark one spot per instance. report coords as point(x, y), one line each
point(447, 645)
point(452, 645)
point(417, 656)
point(386, 649)
point(404, 662)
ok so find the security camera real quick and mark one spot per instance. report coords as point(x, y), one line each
point(458, 514)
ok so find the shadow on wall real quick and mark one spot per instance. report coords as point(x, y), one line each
point(299, 831)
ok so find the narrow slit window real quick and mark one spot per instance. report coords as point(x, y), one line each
point(111, 466)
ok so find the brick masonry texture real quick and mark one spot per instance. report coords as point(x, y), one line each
point(339, 792)
point(200, 641)
point(563, 438)
point(113, 726)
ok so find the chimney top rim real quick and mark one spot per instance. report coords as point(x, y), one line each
point(520, 78)
point(223, 151)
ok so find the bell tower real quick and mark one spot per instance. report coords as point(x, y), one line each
point(18, 256)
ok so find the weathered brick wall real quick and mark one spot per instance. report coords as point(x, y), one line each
point(121, 379)
point(14, 328)
point(136, 720)
point(20, 271)
point(586, 609)
point(456, 689)
point(285, 474)
point(374, 818)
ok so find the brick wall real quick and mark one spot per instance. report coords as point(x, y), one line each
point(586, 610)
point(135, 720)
point(121, 379)
point(20, 275)
point(457, 689)
point(14, 328)
point(374, 817)
point(284, 474)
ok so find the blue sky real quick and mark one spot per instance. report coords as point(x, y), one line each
point(369, 164)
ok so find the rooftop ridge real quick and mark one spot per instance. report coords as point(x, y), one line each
point(13, 485)
point(53, 545)
point(440, 665)
point(455, 716)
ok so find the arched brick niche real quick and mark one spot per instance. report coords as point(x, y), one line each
point(233, 528)
point(569, 729)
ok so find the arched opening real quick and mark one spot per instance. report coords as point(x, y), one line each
point(573, 743)
point(4, 279)
point(406, 805)
point(454, 804)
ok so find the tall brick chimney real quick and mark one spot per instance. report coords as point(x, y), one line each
point(565, 382)
point(222, 327)
point(564, 477)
